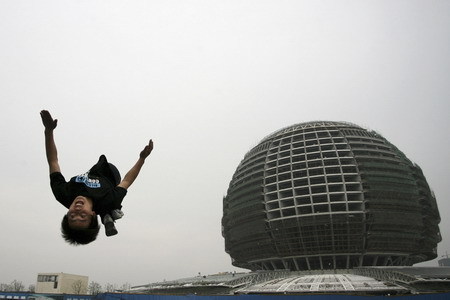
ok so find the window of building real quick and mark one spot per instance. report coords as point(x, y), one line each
point(47, 278)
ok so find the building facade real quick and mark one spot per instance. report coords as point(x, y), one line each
point(328, 195)
point(61, 283)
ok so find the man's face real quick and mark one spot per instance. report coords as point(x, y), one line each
point(80, 213)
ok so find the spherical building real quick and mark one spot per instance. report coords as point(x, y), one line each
point(328, 195)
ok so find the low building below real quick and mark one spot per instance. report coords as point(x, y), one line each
point(61, 283)
point(358, 281)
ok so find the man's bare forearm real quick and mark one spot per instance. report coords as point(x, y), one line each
point(132, 174)
point(51, 152)
point(50, 147)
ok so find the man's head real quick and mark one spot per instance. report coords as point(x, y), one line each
point(80, 224)
point(80, 213)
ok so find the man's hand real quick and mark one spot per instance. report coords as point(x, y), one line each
point(48, 121)
point(147, 150)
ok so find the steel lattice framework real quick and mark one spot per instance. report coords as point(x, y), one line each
point(328, 195)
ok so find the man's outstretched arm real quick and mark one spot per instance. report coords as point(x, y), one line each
point(50, 146)
point(134, 171)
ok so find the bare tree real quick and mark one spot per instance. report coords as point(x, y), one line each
point(32, 288)
point(110, 288)
point(17, 286)
point(125, 287)
point(14, 286)
point(77, 287)
point(94, 288)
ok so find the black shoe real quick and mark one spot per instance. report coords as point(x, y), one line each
point(110, 229)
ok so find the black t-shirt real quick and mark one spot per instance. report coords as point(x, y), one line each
point(105, 194)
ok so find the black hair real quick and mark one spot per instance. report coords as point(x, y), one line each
point(79, 236)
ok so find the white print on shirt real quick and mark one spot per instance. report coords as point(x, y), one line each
point(84, 178)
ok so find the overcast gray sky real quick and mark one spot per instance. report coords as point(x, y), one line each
point(207, 80)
